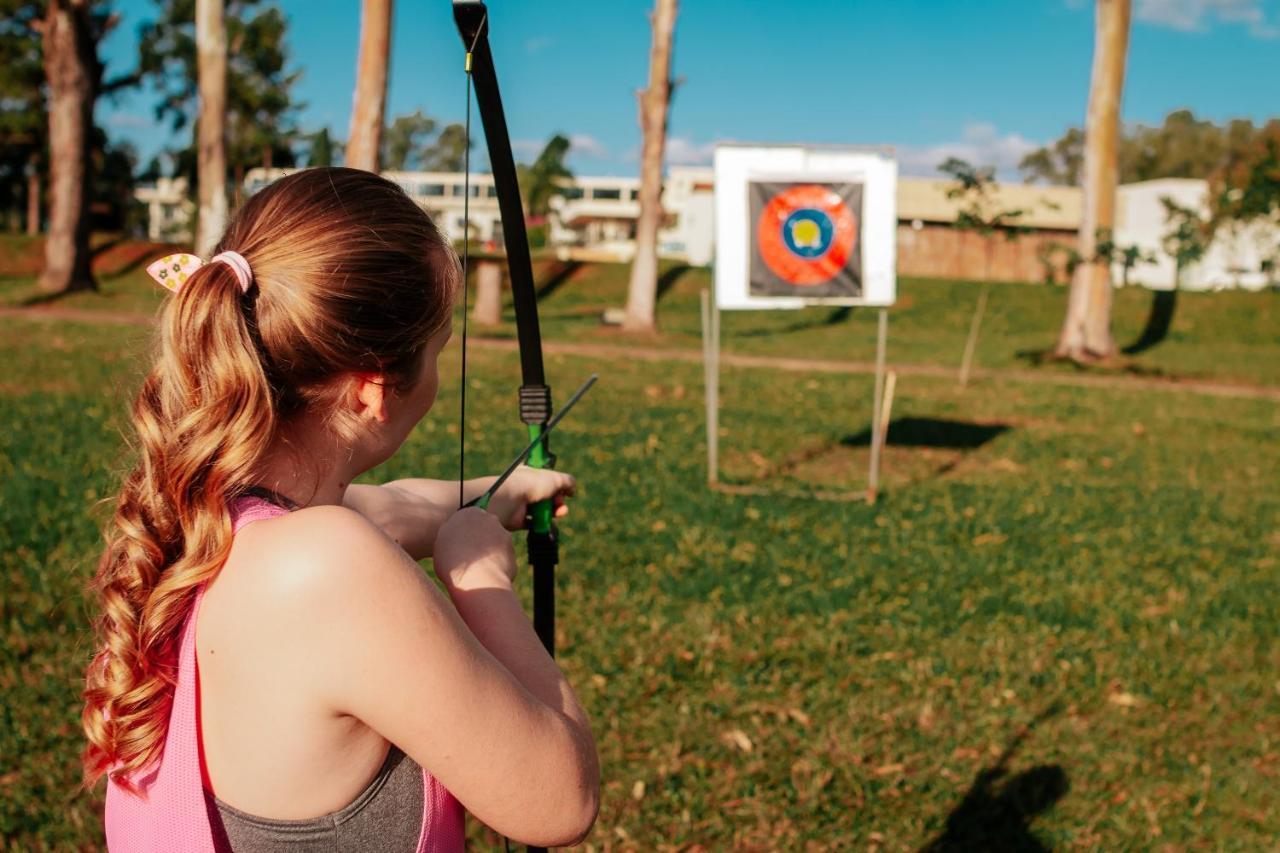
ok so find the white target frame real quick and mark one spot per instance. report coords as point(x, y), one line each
point(737, 166)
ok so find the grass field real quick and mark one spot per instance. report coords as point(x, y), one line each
point(1056, 628)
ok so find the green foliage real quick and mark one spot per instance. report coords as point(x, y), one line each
point(448, 152)
point(261, 110)
point(23, 125)
point(405, 141)
point(975, 187)
point(1182, 147)
point(24, 118)
point(321, 147)
point(1061, 162)
point(1188, 237)
point(1246, 188)
point(544, 179)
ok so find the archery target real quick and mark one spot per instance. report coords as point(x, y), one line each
point(804, 225)
point(806, 239)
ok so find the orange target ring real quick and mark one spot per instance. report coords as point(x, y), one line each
point(806, 234)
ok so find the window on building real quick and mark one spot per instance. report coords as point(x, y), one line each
point(633, 194)
point(490, 192)
point(571, 193)
point(606, 194)
point(431, 189)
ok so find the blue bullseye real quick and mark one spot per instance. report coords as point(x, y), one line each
point(808, 232)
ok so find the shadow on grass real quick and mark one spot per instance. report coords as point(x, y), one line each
point(997, 815)
point(668, 280)
point(836, 317)
point(937, 433)
point(1160, 318)
point(558, 275)
point(963, 437)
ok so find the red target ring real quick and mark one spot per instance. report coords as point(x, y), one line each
point(806, 234)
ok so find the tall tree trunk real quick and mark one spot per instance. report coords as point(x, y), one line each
point(365, 138)
point(654, 106)
point(70, 67)
point(211, 163)
point(1086, 332)
point(33, 194)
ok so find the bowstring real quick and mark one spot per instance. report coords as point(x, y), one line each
point(466, 290)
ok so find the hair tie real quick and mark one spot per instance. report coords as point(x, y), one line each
point(172, 271)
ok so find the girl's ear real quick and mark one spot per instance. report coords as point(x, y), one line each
point(369, 395)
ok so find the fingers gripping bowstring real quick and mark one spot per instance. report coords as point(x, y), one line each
point(466, 258)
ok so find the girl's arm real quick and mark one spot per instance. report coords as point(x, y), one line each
point(468, 693)
point(411, 511)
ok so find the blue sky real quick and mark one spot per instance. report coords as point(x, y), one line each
point(986, 80)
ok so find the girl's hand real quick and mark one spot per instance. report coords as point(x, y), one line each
point(527, 486)
point(473, 551)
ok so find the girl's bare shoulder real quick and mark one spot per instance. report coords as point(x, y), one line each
point(316, 551)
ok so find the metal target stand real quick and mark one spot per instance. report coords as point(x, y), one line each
point(881, 403)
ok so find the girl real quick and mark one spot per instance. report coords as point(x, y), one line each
point(274, 671)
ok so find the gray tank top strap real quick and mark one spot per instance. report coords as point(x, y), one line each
point(386, 816)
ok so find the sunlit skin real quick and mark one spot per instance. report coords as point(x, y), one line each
point(322, 640)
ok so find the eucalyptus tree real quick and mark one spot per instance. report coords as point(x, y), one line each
point(655, 103)
point(1086, 329)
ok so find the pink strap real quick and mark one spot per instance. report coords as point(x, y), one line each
point(172, 813)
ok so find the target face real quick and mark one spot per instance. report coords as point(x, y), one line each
point(806, 239)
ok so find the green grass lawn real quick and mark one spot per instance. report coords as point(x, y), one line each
point(1057, 626)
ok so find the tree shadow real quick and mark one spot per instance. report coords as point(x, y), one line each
point(558, 275)
point(992, 816)
point(1159, 320)
point(668, 280)
point(932, 432)
point(837, 316)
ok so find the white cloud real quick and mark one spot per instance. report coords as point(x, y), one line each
point(585, 145)
point(980, 144)
point(529, 148)
point(682, 151)
point(1198, 15)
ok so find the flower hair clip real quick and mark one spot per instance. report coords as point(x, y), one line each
point(172, 271)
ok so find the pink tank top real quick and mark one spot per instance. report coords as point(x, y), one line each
point(173, 814)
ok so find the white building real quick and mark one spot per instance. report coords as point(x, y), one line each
point(596, 217)
point(170, 211)
point(1238, 256)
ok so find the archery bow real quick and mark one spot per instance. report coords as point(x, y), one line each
point(472, 19)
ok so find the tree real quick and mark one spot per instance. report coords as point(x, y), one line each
point(211, 48)
point(1086, 330)
point(369, 104)
point(321, 153)
point(22, 110)
point(1059, 163)
point(1246, 186)
point(1188, 236)
point(405, 144)
point(1182, 147)
point(981, 214)
point(72, 72)
point(260, 111)
point(655, 102)
point(546, 177)
point(449, 150)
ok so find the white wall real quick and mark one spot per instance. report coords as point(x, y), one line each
point(1234, 259)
